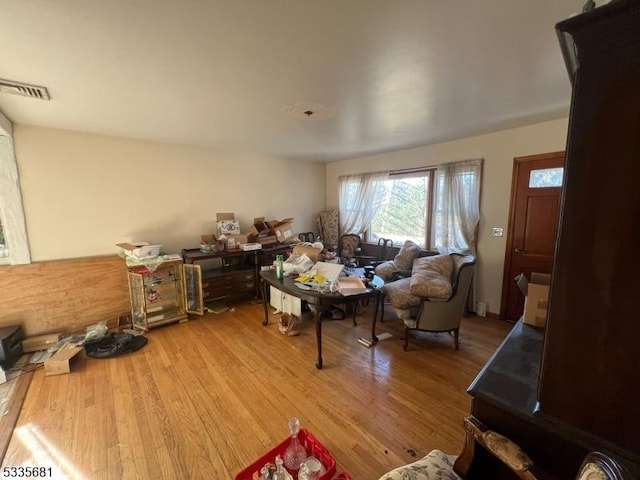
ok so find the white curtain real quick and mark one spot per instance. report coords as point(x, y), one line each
point(457, 207)
point(358, 198)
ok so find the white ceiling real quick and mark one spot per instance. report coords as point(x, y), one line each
point(218, 73)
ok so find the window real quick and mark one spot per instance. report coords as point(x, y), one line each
point(13, 226)
point(404, 211)
point(457, 207)
point(4, 251)
point(437, 208)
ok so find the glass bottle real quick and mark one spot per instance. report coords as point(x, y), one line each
point(281, 473)
point(279, 267)
point(295, 454)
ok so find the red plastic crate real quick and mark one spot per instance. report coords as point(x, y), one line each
point(308, 441)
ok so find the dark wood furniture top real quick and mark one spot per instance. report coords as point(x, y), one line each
point(505, 396)
point(510, 378)
point(317, 301)
point(193, 255)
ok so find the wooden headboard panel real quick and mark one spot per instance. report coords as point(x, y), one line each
point(63, 295)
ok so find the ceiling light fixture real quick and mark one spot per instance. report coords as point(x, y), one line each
point(309, 111)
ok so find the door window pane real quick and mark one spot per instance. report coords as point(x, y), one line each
point(547, 177)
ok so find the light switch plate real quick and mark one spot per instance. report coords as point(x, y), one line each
point(497, 232)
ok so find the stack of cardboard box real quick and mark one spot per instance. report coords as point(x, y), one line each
point(270, 232)
point(264, 233)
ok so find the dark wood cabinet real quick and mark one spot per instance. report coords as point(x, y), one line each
point(234, 275)
point(574, 388)
point(228, 282)
point(590, 368)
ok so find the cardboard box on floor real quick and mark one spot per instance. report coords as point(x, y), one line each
point(536, 302)
point(61, 361)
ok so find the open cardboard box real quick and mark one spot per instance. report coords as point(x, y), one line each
point(259, 227)
point(208, 239)
point(312, 252)
point(281, 229)
point(227, 224)
point(234, 241)
point(536, 302)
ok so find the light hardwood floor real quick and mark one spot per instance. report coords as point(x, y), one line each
point(206, 398)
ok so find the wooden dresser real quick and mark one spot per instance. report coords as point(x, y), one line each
point(575, 387)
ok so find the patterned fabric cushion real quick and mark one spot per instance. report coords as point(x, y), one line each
point(507, 451)
point(386, 270)
point(402, 262)
point(329, 227)
point(435, 466)
point(407, 254)
point(431, 277)
point(399, 293)
point(350, 244)
point(591, 471)
point(408, 315)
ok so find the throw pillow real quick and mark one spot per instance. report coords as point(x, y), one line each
point(407, 254)
point(431, 277)
point(399, 294)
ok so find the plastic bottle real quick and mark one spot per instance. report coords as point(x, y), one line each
point(279, 267)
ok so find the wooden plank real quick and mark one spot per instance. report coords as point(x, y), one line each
point(14, 405)
point(40, 342)
point(63, 295)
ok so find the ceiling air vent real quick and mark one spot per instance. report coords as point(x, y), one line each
point(24, 90)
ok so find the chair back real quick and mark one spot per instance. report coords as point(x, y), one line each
point(463, 269)
point(307, 237)
point(384, 249)
point(349, 245)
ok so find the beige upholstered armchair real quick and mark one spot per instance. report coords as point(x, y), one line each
point(434, 297)
point(440, 466)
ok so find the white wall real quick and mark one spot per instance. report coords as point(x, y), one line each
point(84, 193)
point(498, 149)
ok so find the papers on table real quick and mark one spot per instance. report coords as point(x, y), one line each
point(329, 270)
